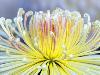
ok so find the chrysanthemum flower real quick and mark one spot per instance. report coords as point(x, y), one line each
point(52, 43)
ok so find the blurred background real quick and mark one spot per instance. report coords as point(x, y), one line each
point(9, 8)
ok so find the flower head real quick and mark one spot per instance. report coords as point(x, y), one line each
point(52, 43)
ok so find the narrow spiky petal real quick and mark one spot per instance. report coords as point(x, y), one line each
point(52, 43)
